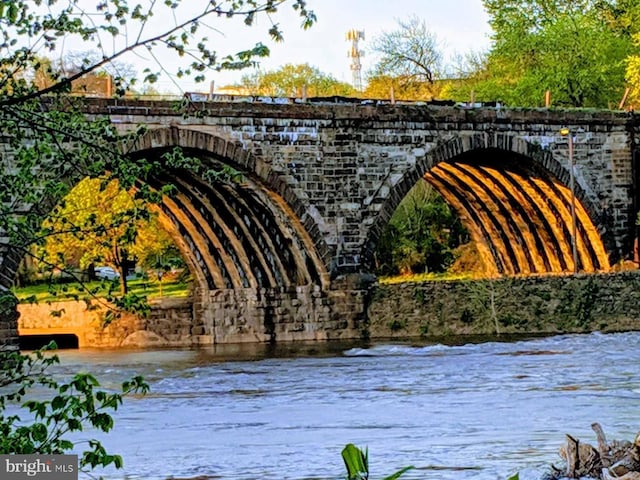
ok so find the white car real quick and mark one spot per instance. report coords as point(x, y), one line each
point(106, 273)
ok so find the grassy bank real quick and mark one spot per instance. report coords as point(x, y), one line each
point(425, 277)
point(74, 291)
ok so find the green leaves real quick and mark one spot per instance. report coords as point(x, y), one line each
point(73, 406)
point(574, 49)
point(357, 463)
point(399, 473)
point(421, 235)
point(10, 11)
point(632, 73)
point(24, 76)
point(290, 79)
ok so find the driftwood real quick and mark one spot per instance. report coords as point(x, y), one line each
point(614, 460)
point(603, 448)
point(581, 458)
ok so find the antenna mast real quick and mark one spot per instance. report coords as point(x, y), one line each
point(354, 36)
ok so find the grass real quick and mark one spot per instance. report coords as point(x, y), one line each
point(74, 291)
point(425, 277)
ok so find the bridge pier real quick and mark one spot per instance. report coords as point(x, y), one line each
point(303, 313)
point(294, 314)
point(8, 321)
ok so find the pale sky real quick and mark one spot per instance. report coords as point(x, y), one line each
point(460, 25)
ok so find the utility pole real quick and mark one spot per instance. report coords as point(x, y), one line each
point(565, 132)
point(354, 36)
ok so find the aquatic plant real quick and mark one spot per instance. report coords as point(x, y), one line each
point(357, 462)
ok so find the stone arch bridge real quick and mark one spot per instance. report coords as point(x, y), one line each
point(286, 253)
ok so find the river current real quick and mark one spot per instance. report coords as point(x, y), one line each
point(477, 410)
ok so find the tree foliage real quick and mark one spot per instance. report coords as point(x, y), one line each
point(382, 86)
point(575, 49)
point(72, 406)
point(100, 223)
point(421, 235)
point(633, 72)
point(290, 81)
point(29, 30)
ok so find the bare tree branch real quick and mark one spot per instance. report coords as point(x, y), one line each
point(411, 51)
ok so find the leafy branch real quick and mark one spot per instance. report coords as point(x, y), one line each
point(74, 405)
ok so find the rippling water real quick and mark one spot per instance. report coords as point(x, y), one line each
point(481, 411)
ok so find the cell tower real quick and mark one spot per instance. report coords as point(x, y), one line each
point(354, 36)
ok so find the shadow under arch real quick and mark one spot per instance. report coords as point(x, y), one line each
point(234, 235)
point(512, 197)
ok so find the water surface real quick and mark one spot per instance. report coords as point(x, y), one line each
point(481, 411)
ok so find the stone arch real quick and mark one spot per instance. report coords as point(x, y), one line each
point(513, 197)
point(254, 234)
point(255, 252)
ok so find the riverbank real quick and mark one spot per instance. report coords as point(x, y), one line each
point(544, 305)
point(169, 323)
point(435, 309)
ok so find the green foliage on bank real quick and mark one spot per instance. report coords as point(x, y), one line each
point(421, 236)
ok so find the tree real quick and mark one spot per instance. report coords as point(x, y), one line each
point(568, 47)
point(421, 235)
point(102, 223)
point(290, 80)
point(411, 52)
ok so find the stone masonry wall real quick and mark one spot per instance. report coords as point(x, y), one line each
point(556, 304)
point(228, 316)
point(267, 315)
point(169, 324)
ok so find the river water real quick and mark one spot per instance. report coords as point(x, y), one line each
point(481, 411)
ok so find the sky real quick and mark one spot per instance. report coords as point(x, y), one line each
point(460, 26)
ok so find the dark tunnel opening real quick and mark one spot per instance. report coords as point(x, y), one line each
point(64, 341)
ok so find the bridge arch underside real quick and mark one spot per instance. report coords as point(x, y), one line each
point(519, 214)
point(236, 235)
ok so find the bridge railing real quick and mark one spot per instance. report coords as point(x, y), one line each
point(199, 97)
